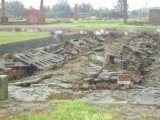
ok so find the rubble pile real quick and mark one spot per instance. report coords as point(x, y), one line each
point(15, 70)
point(25, 64)
point(125, 70)
point(20, 65)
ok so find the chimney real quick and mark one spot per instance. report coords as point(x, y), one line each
point(125, 12)
point(76, 12)
point(42, 10)
point(3, 8)
point(89, 13)
point(41, 5)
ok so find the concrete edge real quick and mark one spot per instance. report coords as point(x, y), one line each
point(21, 46)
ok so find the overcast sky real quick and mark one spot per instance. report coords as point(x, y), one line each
point(133, 4)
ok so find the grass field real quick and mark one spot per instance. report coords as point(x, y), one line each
point(74, 110)
point(79, 24)
point(88, 24)
point(6, 37)
point(69, 110)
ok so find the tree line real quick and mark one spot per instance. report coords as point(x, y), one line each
point(63, 10)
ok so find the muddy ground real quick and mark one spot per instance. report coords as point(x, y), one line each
point(144, 100)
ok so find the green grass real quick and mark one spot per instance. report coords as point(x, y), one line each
point(89, 24)
point(78, 24)
point(144, 118)
point(70, 110)
point(6, 37)
point(74, 110)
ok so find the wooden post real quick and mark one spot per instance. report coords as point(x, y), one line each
point(3, 87)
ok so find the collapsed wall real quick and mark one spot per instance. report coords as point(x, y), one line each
point(118, 71)
point(125, 70)
point(154, 15)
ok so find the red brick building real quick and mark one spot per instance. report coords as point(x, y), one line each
point(36, 16)
point(154, 15)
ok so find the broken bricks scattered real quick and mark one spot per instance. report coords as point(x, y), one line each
point(116, 71)
point(125, 70)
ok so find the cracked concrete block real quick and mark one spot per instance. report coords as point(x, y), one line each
point(3, 87)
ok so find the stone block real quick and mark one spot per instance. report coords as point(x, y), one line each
point(92, 74)
point(94, 87)
point(124, 77)
point(126, 86)
point(85, 86)
point(115, 86)
point(105, 86)
point(99, 86)
point(3, 87)
point(136, 78)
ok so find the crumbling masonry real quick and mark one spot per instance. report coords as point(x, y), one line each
point(36, 16)
point(120, 71)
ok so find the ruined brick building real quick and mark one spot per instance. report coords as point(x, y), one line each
point(36, 16)
point(3, 18)
point(154, 15)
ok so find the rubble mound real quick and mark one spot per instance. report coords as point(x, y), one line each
point(114, 60)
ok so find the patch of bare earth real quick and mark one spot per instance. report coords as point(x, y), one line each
point(131, 112)
point(11, 109)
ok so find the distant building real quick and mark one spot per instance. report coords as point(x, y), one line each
point(3, 18)
point(36, 16)
point(79, 15)
point(154, 16)
point(83, 15)
point(116, 15)
point(7, 14)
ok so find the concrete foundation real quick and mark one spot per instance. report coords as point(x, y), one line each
point(22, 46)
point(3, 87)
